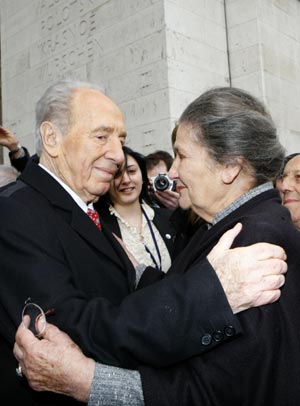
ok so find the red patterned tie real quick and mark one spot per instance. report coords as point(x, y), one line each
point(95, 217)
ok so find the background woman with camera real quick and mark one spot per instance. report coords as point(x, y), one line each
point(129, 212)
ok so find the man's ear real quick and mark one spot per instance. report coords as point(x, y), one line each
point(231, 171)
point(50, 137)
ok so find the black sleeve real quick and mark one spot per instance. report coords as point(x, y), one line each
point(169, 321)
point(164, 323)
point(20, 163)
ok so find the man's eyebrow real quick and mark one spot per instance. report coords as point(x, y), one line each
point(108, 129)
point(104, 129)
point(291, 172)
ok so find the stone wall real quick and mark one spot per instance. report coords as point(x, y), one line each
point(196, 50)
point(118, 43)
point(264, 49)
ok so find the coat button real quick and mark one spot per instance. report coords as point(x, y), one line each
point(168, 236)
point(218, 336)
point(206, 339)
point(229, 331)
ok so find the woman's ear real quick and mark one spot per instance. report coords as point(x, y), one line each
point(231, 171)
point(51, 138)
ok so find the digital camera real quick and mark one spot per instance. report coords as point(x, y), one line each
point(162, 182)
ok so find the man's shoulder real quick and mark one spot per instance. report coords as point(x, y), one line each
point(12, 188)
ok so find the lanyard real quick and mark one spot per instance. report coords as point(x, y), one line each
point(158, 267)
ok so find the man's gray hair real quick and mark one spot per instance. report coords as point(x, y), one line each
point(231, 123)
point(55, 106)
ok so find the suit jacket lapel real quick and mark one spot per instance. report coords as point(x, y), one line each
point(65, 207)
point(103, 240)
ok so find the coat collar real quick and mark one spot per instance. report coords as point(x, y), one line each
point(204, 239)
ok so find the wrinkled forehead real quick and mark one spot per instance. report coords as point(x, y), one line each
point(186, 137)
point(94, 103)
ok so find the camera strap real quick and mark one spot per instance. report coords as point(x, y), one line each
point(157, 266)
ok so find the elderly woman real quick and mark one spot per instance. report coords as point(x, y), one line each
point(227, 154)
point(288, 184)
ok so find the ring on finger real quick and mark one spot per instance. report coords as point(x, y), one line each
point(19, 371)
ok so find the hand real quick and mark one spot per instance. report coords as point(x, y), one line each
point(54, 363)
point(8, 139)
point(250, 276)
point(168, 198)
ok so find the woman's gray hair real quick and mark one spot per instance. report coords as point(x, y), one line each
point(55, 106)
point(230, 123)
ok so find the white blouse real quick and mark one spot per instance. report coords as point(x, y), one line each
point(137, 242)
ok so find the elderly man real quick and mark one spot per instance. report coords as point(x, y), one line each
point(52, 252)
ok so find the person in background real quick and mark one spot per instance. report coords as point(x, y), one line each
point(288, 184)
point(184, 220)
point(8, 174)
point(227, 154)
point(18, 155)
point(159, 162)
point(128, 211)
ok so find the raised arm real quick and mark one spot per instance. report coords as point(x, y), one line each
point(18, 154)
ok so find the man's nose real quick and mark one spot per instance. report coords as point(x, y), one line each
point(287, 184)
point(115, 151)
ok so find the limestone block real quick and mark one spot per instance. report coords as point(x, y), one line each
point(243, 35)
point(241, 11)
point(245, 61)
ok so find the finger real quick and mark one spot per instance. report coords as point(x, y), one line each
point(171, 193)
point(168, 195)
point(53, 333)
point(24, 339)
point(26, 320)
point(163, 199)
point(269, 296)
point(227, 238)
point(17, 351)
point(264, 250)
point(24, 335)
point(272, 266)
point(273, 282)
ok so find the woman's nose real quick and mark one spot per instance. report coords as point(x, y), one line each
point(173, 173)
point(125, 178)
